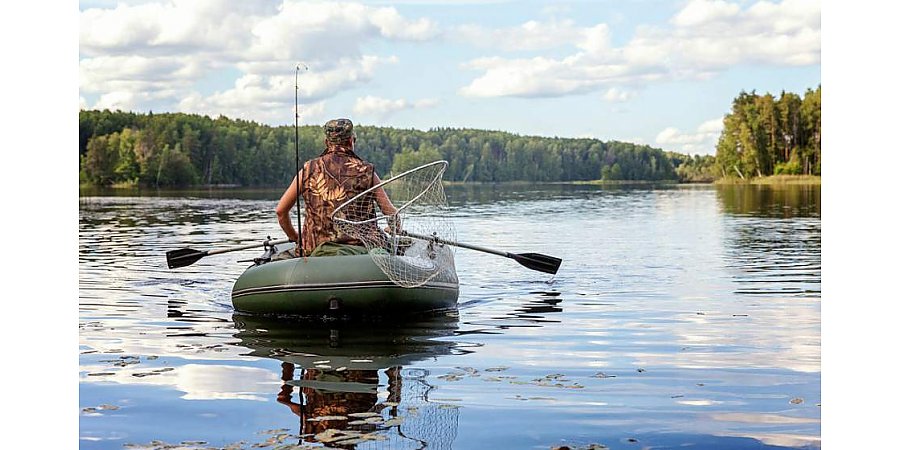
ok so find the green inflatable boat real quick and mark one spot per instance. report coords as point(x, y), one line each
point(335, 286)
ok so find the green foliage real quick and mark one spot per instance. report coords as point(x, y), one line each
point(694, 169)
point(791, 167)
point(100, 160)
point(183, 149)
point(175, 168)
point(764, 136)
point(410, 159)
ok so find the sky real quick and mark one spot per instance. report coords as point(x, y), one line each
point(655, 72)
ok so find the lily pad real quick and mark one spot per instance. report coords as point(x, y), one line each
point(364, 414)
point(275, 431)
point(331, 435)
point(393, 422)
point(322, 418)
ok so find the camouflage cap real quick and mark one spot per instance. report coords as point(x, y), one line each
point(338, 130)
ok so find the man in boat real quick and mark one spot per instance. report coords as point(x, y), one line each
point(337, 175)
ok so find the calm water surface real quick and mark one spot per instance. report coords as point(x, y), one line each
point(681, 317)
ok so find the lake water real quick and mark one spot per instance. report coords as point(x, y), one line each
point(683, 316)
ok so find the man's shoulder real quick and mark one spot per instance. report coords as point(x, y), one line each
point(344, 158)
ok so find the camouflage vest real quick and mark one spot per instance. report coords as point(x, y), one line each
point(326, 183)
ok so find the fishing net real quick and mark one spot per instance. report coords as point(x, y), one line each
point(403, 221)
point(424, 423)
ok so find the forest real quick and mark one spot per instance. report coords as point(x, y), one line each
point(176, 149)
point(765, 136)
point(761, 136)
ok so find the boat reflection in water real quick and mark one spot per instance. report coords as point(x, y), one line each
point(334, 368)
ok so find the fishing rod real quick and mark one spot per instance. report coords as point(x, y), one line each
point(297, 148)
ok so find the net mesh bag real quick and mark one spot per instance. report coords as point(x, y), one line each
point(403, 222)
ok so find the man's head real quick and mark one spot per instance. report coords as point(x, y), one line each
point(339, 132)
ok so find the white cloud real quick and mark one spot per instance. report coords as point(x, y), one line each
point(705, 37)
point(382, 107)
point(136, 73)
point(122, 100)
point(392, 25)
point(269, 98)
point(313, 113)
point(162, 28)
point(702, 141)
point(704, 12)
point(617, 95)
point(163, 51)
point(534, 77)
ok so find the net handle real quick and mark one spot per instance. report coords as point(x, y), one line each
point(436, 179)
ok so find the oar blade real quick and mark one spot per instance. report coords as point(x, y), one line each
point(539, 262)
point(183, 257)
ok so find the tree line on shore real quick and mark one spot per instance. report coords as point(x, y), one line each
point(764, 136)
point(176, 149)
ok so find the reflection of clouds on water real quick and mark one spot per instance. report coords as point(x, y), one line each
point(778, 333)
point(785, 439)
point(760, 418)
point(202, 382)
point(759, 426)
point(197, 381)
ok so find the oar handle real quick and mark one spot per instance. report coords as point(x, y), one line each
point(533, 261)
point(246, 247)
point(459, 244)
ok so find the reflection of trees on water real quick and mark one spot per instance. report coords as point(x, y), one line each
point(331, 377)
point(767, 254)
point(532, 311)
point(771, 201)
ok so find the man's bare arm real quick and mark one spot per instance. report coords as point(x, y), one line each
point(283, 211)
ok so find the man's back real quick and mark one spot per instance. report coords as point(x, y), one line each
point(327, 182)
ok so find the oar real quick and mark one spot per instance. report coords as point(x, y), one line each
point(186, 256)
point(533, 261)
